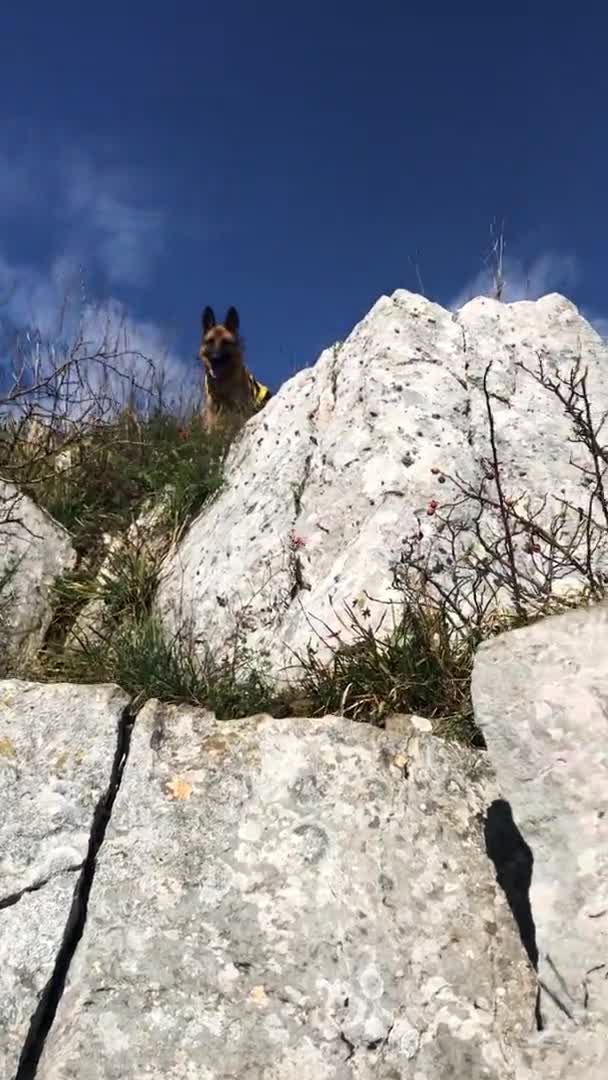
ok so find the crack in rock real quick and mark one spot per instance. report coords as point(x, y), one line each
point(14, 898)
point(44, 1015)
point(299, 488)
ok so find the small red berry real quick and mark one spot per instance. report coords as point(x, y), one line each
point(532, 548)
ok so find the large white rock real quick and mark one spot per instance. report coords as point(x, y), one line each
point(57, 752)
point(34, 550)
point(541, 699)
point(325, 484)
point(294, 900)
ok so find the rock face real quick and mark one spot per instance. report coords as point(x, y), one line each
point(57, 748)
point(578, 1055)
point(34, 550)
point(329, 481)
point(311, 899)
point(296, 899)
point(293, 899)
point(541, 698)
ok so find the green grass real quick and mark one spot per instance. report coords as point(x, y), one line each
point(137, 655)
point(115, 470)
point(418, 666)
point(126, 643)
point(123, 588)
point(121, 469)
point(96, 482)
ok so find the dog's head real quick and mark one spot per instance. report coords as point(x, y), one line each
point(220, 349)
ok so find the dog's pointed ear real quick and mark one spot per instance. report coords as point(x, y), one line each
point(232, 321)
point(208, 319)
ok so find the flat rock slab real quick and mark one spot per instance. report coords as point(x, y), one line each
point(293, 900)
point(57, 746)
point(541, 699)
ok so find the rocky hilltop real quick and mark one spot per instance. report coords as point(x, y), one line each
point(334, 481)
point(310, 897)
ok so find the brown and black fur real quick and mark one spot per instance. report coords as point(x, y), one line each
point(232, 394)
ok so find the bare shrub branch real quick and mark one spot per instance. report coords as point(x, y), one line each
point(59, 394)
point(499, 558)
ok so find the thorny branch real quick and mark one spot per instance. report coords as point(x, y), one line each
point(494, 551)
point(501, 498)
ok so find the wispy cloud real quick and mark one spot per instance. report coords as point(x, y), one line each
point(103, 215)
point(547, 273)
point(35, 297)
point(103, 219)
point(51, 314)
point(551, 272)
point(102, 230)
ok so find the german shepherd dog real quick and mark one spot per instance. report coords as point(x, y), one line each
point(231, 392)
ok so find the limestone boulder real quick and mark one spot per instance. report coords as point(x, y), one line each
point(346, 469)
point(34, 550)
point(541, 700)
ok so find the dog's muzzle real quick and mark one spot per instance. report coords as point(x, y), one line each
point(217, 362)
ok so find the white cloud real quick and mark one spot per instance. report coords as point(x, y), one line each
point(103, 215)
point(104, 227)
point(35, 298)
point(115, 357)
point(129, 239)
point(144, 355)
point(551, 272)
point(105, 223)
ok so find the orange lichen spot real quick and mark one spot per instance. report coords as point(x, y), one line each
point(7, 748)
point(178, 788)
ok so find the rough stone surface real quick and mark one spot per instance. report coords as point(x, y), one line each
point(293, 900)
point(327, 483)
point(576, 1055)
point(541, 699)
point(57, 746)
point(34, 550)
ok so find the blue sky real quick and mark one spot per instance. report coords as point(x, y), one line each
point(295, 160)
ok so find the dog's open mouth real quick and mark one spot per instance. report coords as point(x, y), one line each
point(218, 363)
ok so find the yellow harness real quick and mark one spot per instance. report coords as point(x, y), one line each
point(260, 393)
